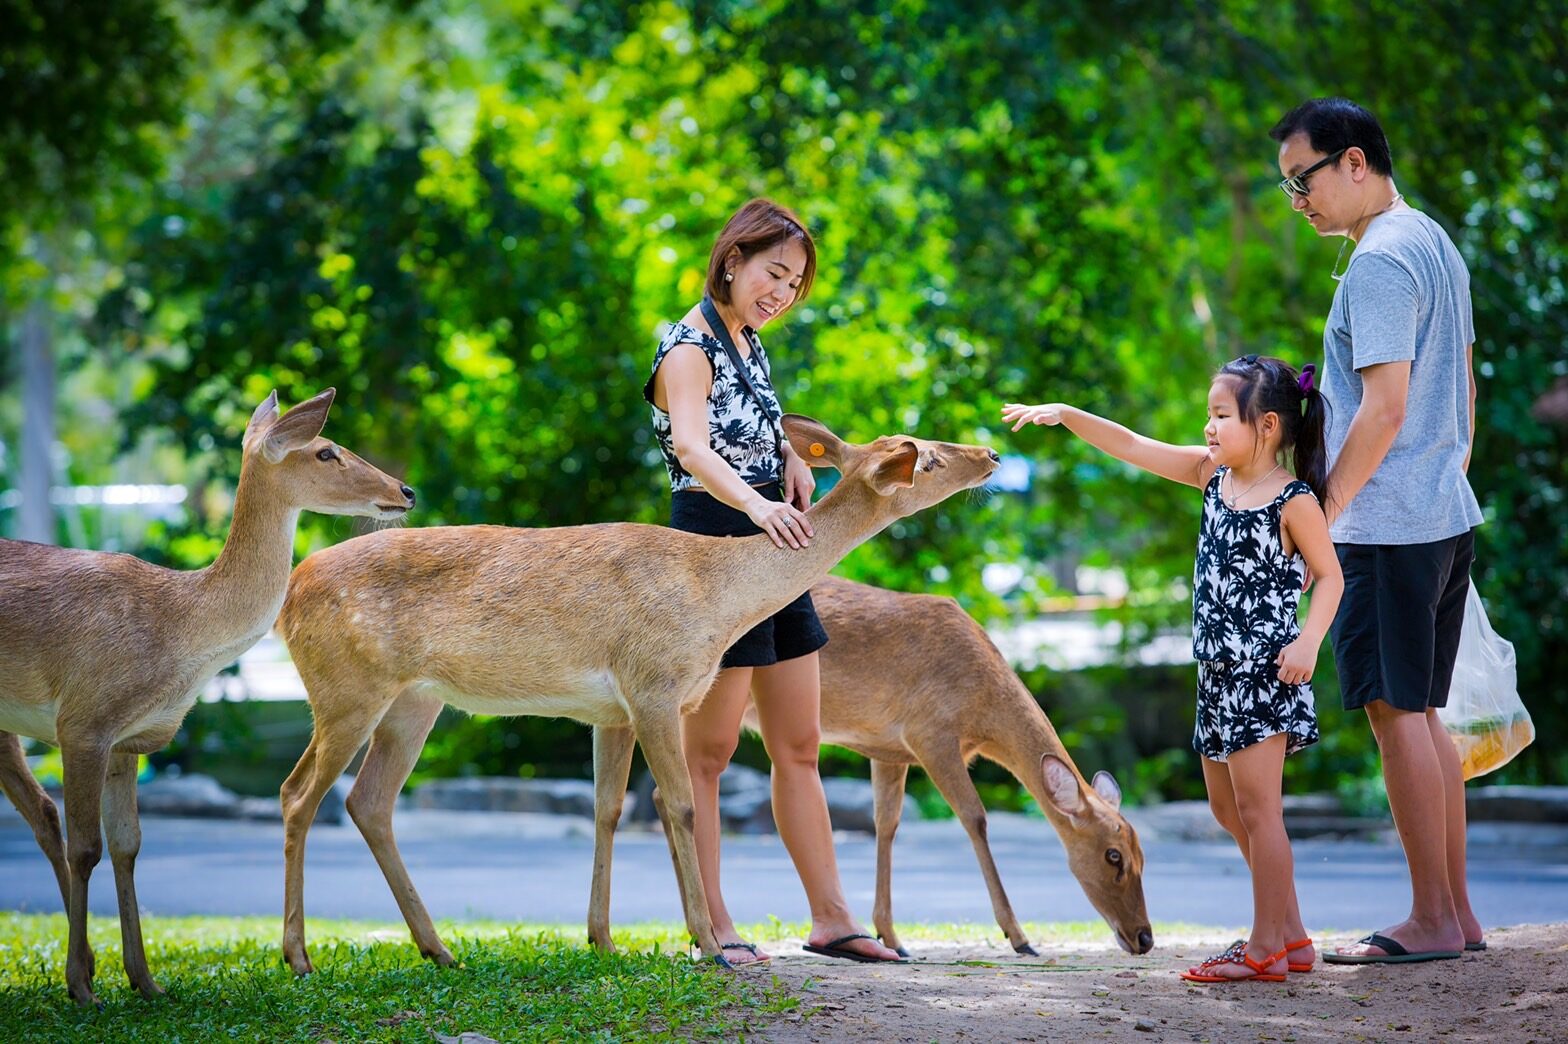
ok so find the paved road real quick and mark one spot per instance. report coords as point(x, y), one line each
point(518, 867)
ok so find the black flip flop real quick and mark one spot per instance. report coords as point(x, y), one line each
point(836, 948)
point(1393, 953)
point(750, 948)
point(1477, 946)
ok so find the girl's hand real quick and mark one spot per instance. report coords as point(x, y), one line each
point(1017, 414)
point(1297, 661)
point(784, 523)
point(799, 482)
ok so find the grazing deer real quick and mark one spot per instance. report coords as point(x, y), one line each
point(620, 626)
point(103, 654)
point(912, 680)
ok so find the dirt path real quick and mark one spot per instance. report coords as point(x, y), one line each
point(1515, 992)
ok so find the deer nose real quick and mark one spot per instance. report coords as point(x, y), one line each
point(408, 493)
point(1145, 940)
point(994, 458)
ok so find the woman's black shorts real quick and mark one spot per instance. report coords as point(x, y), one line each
point(791, 632)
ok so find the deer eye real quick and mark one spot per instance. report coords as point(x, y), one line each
point(1113, 857)
point(327, 453)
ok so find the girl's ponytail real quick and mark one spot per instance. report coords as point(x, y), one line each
point(1311, 453)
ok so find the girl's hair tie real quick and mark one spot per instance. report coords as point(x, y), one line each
point(1304, 382)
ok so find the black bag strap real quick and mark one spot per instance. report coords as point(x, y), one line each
point(722, 333)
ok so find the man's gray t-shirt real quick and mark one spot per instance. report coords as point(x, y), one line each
point(1405, 296)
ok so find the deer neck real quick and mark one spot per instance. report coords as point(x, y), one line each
point(760, 578)
point(1018, 748)
point(242, 591)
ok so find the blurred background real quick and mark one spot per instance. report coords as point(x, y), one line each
point(472, 217)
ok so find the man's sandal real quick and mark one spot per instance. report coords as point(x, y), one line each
point(1236, 953)
point(1292, 947)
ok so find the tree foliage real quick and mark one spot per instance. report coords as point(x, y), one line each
point(471, 219)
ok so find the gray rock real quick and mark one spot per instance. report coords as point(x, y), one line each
point(747, 812)
point(852, 804)
point(1517, 804)
point(187, 795)
point(571, 797)
point(261, 809)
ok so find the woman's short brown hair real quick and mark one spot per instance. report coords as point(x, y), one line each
point(758, 225)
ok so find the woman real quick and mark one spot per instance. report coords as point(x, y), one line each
point(732, 473)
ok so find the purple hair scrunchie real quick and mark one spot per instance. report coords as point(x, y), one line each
point(1304, 382)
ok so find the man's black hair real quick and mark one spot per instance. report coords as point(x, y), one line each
point(1332, 124)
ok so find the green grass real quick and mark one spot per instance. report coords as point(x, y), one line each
point(226, 982)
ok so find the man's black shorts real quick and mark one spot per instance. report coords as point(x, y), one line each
point(1397, 629)
point(794, 630)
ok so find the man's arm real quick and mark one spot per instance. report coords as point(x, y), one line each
point(1470, 366)
point(1384, 389)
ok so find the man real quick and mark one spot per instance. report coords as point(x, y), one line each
point(1398, 379)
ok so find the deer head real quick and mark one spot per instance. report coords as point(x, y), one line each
point(906, 474)
point(307, 471)
point(1103, 851)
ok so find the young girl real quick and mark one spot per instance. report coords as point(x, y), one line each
point(1254, 661)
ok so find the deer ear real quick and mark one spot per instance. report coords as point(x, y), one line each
point(896, 468)
point(264, 415)
point(1062, 786)
point(296, 428)
point(1105, 785)
point(813, 442)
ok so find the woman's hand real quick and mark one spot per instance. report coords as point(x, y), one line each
point(1297, 661)
point(1017, 414)
point(784, 523)
point(799, 482)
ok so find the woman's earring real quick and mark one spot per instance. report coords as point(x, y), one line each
point(729, 277)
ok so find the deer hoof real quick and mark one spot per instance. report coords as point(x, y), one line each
point(84, 997)
point(441, 956)
point(721, 962)
point(1025, 950)
point(150, 990)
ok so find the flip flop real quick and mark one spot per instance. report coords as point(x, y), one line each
point(1477, 946)
point(1393, 953)
point(1298, 967)
point(836, 948)
point(750, 948)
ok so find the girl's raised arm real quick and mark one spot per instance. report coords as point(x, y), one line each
point(1189, 465)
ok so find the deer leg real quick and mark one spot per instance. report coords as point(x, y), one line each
point(612, 765)
point(394, 748)
point(887, 784)
point(659, 732)
point(36, 807)
point(947, 770)
point(332, 747)
point(124, 830)
point(85, 769)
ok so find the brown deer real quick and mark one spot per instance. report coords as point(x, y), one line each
point(619, 625)
point(103, 654)
point(913, 680)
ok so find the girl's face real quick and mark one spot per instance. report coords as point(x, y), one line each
point(766, 283)
point(1232, 441)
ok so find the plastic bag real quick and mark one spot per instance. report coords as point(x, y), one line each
point(1485, 717)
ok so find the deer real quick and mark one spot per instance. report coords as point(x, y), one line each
point(911, 679)
point(103, 654)
point(617, 625)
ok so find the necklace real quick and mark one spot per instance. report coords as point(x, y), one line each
point(1235, 498)
point(1335, 273)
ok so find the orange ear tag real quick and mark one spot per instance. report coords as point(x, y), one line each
point(817, 449)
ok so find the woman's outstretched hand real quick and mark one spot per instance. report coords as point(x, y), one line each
point(785, 524)
point(1017, 414)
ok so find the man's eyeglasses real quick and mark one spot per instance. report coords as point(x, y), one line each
point(1296, 185)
